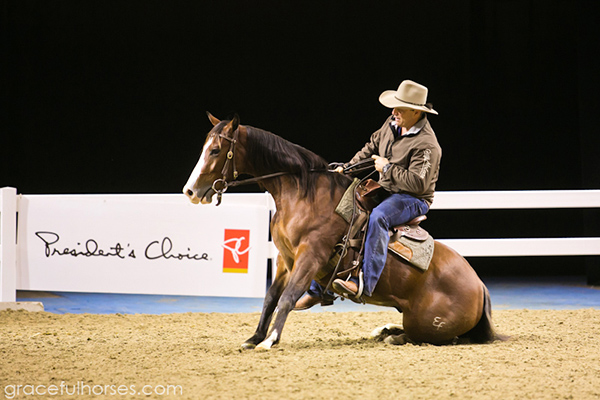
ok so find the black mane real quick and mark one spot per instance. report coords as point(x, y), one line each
point(271, 153)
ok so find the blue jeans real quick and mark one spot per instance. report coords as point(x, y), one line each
point(396, 210)
point(317, 290)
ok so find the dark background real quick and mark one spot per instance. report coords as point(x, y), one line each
point(110, 96)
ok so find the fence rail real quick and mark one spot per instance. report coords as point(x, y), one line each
point(526, 199)
point(516, 199)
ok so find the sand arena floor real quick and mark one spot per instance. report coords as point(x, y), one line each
point(328, 355)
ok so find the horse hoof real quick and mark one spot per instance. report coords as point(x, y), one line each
point(268, 342)
point(248, 346)
point(397, 340)
point(382, 332)
point(266, 345)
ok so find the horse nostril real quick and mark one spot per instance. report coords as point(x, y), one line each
point(190, 192)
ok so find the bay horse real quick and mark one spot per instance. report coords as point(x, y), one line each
point(445, 303)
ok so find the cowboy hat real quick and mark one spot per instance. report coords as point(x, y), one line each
point(410, 95)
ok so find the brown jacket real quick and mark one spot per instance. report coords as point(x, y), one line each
point(415, 160)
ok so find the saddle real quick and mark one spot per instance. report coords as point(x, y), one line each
point(409, 241)
point(370, 193)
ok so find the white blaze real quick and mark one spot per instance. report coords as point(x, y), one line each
point(189, 186)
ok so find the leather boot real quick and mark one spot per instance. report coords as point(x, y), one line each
point(346, 287)
point(309, 301)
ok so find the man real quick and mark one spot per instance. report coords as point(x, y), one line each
point(407, 156)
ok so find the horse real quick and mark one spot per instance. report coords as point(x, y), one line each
point(446, 303)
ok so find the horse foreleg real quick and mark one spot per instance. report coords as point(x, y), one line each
point(305, 268)
point(269, 305)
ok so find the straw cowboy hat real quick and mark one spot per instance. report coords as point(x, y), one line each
point(410, 95)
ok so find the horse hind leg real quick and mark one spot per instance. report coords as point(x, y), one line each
point(398, 340)
point(383, 332)
point(391, 334)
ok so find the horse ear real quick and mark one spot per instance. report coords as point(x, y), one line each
point(235, 122)
point(212, 119)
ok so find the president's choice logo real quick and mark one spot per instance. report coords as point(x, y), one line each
point(236, 247)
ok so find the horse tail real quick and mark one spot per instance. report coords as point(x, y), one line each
point(484, 331)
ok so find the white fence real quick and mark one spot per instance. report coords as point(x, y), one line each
point(542, 199)
point(162, 244)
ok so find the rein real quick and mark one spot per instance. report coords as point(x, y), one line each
point(225, 185)
point(221, 185)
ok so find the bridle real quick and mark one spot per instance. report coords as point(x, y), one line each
point(221, 185)
point(230, 161)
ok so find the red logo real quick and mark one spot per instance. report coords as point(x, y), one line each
point(236, 248)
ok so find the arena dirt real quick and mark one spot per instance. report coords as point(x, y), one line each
point(551, 355)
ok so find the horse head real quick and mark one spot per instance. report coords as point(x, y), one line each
point(216, 165)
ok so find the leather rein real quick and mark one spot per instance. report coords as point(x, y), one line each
point(221, 185)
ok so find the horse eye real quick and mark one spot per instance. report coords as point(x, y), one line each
point(215, 151)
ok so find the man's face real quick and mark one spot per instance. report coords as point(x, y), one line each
point(406, 117)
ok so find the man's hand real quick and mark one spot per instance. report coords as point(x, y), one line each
point(336, 167)
point(380, 162)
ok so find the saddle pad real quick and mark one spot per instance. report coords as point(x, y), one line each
point(346, 204)
point(417, 253)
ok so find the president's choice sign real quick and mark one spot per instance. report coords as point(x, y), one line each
point(153, 244)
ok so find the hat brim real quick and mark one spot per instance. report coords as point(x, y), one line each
point(388, 99)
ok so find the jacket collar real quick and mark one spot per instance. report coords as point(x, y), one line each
point(414, 130)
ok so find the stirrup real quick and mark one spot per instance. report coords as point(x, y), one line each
point(361, 286)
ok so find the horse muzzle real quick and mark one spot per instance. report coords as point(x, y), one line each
point(192, 194)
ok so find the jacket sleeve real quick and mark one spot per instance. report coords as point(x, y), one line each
point(421, 173)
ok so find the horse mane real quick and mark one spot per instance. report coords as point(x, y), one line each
point(271, 153)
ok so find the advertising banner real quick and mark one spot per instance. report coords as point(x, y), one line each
point(145, 244)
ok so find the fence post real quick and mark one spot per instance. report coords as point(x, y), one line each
point(592, 264)
point(8, 244)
